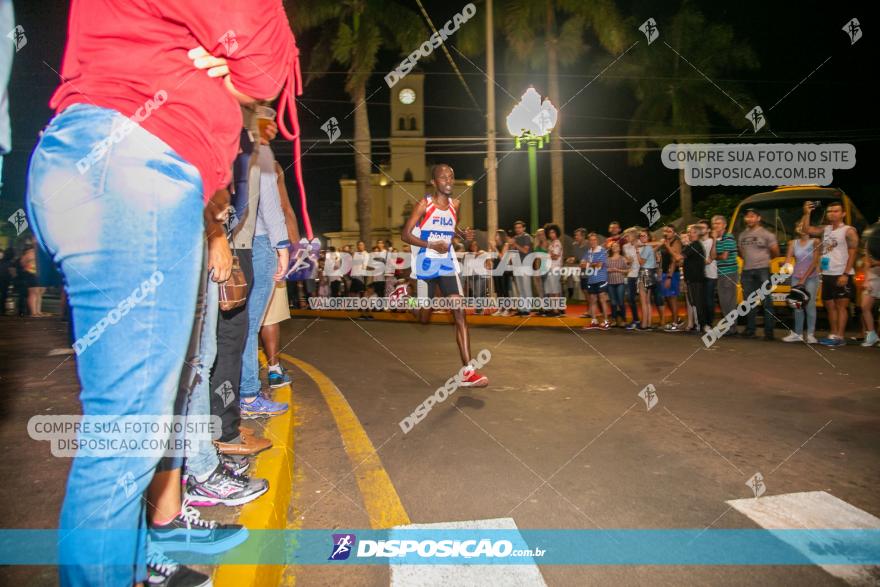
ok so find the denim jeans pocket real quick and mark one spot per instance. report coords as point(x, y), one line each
point(69, 164)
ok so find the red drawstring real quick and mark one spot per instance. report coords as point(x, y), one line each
point(287, 105)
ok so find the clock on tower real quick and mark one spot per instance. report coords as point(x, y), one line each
point(407, 129)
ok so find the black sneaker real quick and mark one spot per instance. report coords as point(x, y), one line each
point(238, 465)
point(164, 572)
point(224, 488)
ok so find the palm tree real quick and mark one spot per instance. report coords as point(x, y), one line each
point(549, 34)
point(351, 33)
point(676, 101)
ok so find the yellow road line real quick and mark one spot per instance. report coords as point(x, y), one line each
point(381, 500)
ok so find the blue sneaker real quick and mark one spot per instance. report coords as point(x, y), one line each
point(633, 326)
point(260, 407)
point(188, 532)
point(278, 379)
point(832, 341)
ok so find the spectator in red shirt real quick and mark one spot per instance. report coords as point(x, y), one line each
point(116, 192)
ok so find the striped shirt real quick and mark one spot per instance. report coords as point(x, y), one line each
point(616, 262)
point(727, 244)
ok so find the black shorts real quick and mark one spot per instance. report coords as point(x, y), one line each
point(379, 288)
point(450, 285)
point(357, 285)
point(832, 291)
point(597, 288)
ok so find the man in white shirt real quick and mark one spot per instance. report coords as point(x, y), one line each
point(840, 244)
point(630, 236)
point(711, 268)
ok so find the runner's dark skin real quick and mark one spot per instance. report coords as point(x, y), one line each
point(443, 182)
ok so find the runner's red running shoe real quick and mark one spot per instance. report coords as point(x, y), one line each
point(474, 379)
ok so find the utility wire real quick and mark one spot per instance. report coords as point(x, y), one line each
point(448, 56)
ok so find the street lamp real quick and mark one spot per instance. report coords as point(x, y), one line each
point(532, 120)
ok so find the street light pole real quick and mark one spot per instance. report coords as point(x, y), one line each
point(533, 183)
point(531, 121)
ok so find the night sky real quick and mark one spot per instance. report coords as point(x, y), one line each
point(837, 103)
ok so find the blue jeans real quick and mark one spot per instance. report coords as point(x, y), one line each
point(811, 285)
point(132, 217)
point(203, 460)
point(752, 280)
point(617, 293)
point(265, 262)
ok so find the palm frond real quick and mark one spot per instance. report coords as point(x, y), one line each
point(320, 58)
point(570, 40)
point(308, 14)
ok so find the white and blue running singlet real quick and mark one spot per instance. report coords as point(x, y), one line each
point(435, 225)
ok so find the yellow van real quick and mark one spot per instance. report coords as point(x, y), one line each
point(780, 211)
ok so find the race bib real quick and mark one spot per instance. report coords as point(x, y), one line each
point(437, 237)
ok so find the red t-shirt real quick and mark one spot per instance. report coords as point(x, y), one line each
point(122, 53)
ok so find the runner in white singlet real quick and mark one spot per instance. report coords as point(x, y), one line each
point(429, 232)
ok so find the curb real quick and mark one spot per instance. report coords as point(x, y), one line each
point(269, 512)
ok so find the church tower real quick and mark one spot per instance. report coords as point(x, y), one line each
point(404, 180)
point(407, 140)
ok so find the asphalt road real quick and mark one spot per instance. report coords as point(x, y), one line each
point(560, 438)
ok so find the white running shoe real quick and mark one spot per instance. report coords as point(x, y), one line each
point(871, 339)
point(812, 339)
point(793, 337)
